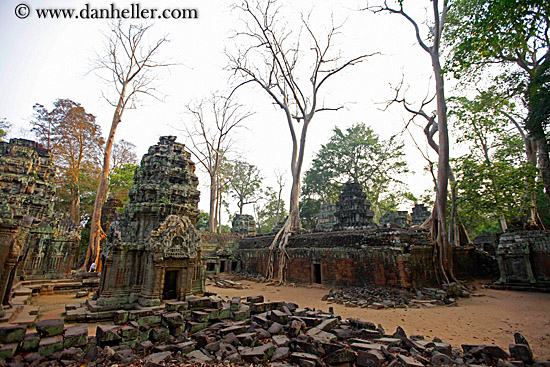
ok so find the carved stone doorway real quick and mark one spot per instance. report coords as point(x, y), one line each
point(170, 290)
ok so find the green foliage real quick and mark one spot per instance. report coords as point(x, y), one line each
point(358, 155)
point(244, 183)
point(121, 179)
point(482, 32)
point(494, 178)
point(4, 128)
point(265, 211)
point(202, 223)
point(487, 190)
point(309, 210)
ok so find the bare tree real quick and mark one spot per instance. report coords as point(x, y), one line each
point(280, 178)
point(436, 124)
point(211, 139)
point(272, 58)
point(129, 64)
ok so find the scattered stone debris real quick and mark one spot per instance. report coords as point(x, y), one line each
point(376, 297)
point(236, 332)
point(225, 283)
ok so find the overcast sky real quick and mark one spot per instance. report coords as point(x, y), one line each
point(42, 60)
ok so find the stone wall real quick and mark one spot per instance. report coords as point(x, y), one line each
point(386, 257)
point(524, 258)
point(218, 252)
point(26, 198)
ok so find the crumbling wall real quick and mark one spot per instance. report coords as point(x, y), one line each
point(26, 193)
point(218, 252)
point(397, 258)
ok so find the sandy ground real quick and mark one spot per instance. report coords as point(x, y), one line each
point(492, 317)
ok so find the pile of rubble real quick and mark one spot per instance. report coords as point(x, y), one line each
point(376, 297)
point(208, 330)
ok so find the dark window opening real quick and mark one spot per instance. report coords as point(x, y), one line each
point(234, 265)
point(317, 273)
point(222, 266)
point(210, 266)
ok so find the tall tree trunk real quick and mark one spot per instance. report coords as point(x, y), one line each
point(212, 225)
point(75, 204)
point(96, 232)
point(443, 168)
point(544, 165)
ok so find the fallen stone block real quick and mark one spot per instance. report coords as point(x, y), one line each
point(321, 336)
point(299, 358)
point(121, 317)
point(176, 306)
point(184, 347)
point(149, 321)
point(343, 355)
point(280, 353)
point(160, 334)
point(408, 361)
point(255, 299)
point(197, 356)
point(12, 334)
point(75, 336)
point(261, 352)
point(370, 358)
point(521, 352)
point(51, 345)
point(158, 358)
point(107, 335)
point(7, 351)
point(200, 303)
point(30, 343)
point(173, 319)
point(50, 327)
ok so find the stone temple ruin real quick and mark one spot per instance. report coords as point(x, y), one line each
point(153, 252)
point(353, 209)
point(34, 243)
point(243, 225)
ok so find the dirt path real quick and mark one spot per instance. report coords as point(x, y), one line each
point(491, 318)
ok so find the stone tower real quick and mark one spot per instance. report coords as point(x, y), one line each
point(26, 198)
point(353, 210)
point(152, 253)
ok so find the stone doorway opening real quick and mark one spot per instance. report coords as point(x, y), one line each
point(170, 290)
point(317, 274)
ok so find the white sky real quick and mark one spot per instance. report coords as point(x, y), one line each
point(42, 60)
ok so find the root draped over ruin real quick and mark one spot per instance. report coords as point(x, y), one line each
point(277, 250)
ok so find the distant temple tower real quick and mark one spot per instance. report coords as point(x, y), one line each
point(243, 225)
point(353, 210)
point(153, 253)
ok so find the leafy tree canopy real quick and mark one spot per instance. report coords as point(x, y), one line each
point(358, 155)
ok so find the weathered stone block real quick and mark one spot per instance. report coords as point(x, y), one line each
point(176, 330)
point(75, 336)
point(30, 343)
point(371, 358)
point(176, 306)
point(121, 317)
point(262, 352)
point(50, 327)
point(7, 351)
point(108, 335)
point(200, 316)
point(255, 299)
point(298, 357)
point(200, 303)
point(11, 334)
point(225, 312)
point(160, 334)
point(521, 352)
point(129, 332)
point(173, 319)
point(341, 356)
point(149, 321)
point(235, 302)
point(197, 326)
point(49, 346)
